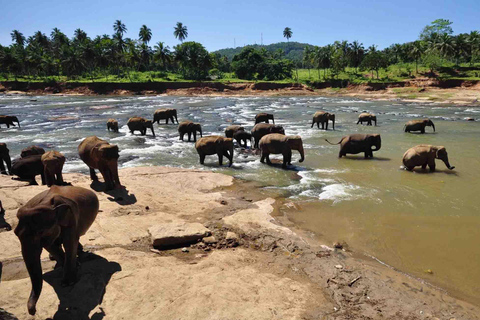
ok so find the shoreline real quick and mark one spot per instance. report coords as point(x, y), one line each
point(270, 263)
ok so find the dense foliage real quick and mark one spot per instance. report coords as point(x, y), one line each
point(259, 64)
point(293, 50)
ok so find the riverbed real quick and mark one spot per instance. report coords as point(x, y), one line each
point(421, 223)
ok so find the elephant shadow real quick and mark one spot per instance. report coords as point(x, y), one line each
point(417, 132)
point(427, 171)
point(120, 196)
point(77, 301)
point(367, 159)
point(5, 315)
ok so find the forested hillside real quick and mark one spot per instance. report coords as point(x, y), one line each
point(293, 50)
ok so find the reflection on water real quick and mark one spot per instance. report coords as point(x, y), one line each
point(413, 221)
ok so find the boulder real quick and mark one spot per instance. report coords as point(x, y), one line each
point(176, 234)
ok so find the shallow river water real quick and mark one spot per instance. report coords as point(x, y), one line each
point(411, 221)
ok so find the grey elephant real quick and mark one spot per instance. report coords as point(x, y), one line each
point(215, 145)
point(189, 128)
point(357, 143)
point(54, 218)
point(264, 117)
point(53, 162)
point(32, 150)
point(140, 124)
point(5, 157)
point(28, 168)
point(322, 117)
point(165, 114)
point(276, 143)
point(242, 136)
point(261, 129)
point(112, 124)
point(368, 118)
point(9, 121)
point(423, 155)
point(418, 125)
point(230, 130)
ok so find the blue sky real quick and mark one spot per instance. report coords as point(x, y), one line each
point(217, 23)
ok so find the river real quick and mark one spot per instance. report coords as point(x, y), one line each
point(415, 222)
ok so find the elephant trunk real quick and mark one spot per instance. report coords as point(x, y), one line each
point(273, 120)
point(153, 132)
point(333, 122)
point(445, 160)
point(31, 252)
point(433, 126)
point(302, 153)
point(377, 145)
point(18, 121)
point(200, 131)
point(231, 156)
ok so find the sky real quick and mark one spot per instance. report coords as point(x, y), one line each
point(220, 24)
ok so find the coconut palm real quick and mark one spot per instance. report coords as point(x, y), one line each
point(79, 35)
point(416, 53)
point(474, 42)
point(357, 52)
point(162, 53)
point(445, 45)
point(119, 28)
point(180, 32)
point(18, 38)
point(287, 33)
point(145, 34)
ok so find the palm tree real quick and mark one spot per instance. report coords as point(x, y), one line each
point(145, 34)
point(287, 33)
point(445, 45)
point(162, 53)
point(357, 51)
point(307, 58)
point(18, 38)
point(119, 28)
point(180, 32)
point(79, 35)
point(474, 42)
point(416, 53)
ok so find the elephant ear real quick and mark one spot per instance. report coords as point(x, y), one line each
point(64, 211)
point(441, 152)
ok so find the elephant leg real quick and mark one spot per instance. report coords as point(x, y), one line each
point(431, 165)
point(262, 157)
point(49, 177)
point(341, 153)
point(2, 167)
point(220, 158)
point(326, 125)
point(181, 135)
point(358, 121)
point(422, 131)
point(255, 145)
point(424, 166)
point(286, 158)
point(194, 137)
point(313, 122)
point(56, 252)
point(166, 121)
point(202, 158)
point(318, 125)
point(189, 136)
point(93, 176)
point(409, 168)
point(59, 177)
point(70, 242)
point(267, 157)
point(42, 176)
point(33, 182)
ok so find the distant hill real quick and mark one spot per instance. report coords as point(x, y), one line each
point(293, 50)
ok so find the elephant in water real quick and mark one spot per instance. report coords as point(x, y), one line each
point(264, 117)
point(140, 124)
point(54, 218)
point(261, 129)
point(323, 117)
point(418, 125)
point(32, 150)
point(242, 136)
point(53, 162)
point(167, 114)
point(5, 157)
point(112, 124)
point(188, 127)
point(230, 130)
point(29, 167)
point(4, 224)
point(281, 144)
point(368, 118)
point(423, 155)
point(215, 145)
point(99, 154)
point(9, 120)
point(357, 143)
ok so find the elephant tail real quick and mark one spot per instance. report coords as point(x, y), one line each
point(335, 143)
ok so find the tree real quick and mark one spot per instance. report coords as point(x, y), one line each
point(439, 27)
point(162, 53)
point(374, 60)
point(119, 28)
point(357, 52)
point(193, 59)
point(445, 46)
point(18, 38)
point(287, 33)
point(474, 42)
point(180, 31)
point(416, 52)
point(145, 34)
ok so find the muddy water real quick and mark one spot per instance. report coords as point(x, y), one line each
point(413, 221)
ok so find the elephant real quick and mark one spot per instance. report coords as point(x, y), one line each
point(32, 150)
point(3, 224)
point(167, 114)
point(55, 217)
point(357, 143)
point(242, 135)
point(29, 167)
point(188, 127)
point(5, 157)
point(263, 117)
point(99, 154)
point(367, 117)
point(261, 129)
point(278, 143)
point(112, 124)
point(140, 124)
point(215, 145)
point(323, 117)
point(418, 125)
point(53, 162)
point(9, 120)
point(423, 155)
point(230, 130)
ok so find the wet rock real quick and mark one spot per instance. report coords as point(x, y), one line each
point(176, 234)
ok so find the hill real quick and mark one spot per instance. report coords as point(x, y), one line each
point(293, 50)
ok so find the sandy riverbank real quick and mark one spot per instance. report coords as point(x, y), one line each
point(266, 271)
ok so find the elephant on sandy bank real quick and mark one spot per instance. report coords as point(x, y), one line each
point(357, 143)
point(140, 124)
point(55, 217)
point(230, 130)
point(368, 118)
point(32, 150)
point(423, 155)
point(29, 167)
point(215, 145)
point(4, 224)
point(322, 117)
point(264, 117)
point(261, 129)
point(99, 154)
point(112, 124)
point(276, 143)
point(189, 127)
point(53, 162)
point(418, 125)
point(167, 114)
point(5, 157)
point(9, 120)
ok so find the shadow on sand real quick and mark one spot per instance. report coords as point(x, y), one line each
point(77, 301)
point(120, 196)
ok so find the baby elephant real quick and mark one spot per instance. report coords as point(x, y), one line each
point(357, 143)
point(140, 124)
point(188, 127)
point(281, 144)
point(264, 117)
point(32, 150)
point(423, 155)
point(242, 136)
point(112, 124)
point(322, 117)
point(53, 162)
point(5, 157)
point(368, 118)
point(215, 145)
point(29, 167)
point(230, 130)
point(418, 125)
